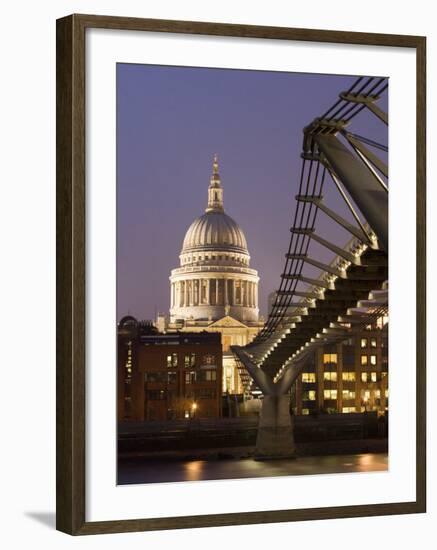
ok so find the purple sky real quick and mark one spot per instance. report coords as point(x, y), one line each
point(170, 122)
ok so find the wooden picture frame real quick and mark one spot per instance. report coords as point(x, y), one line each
point(71, 253)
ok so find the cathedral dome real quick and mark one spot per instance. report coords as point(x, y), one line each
point(214, 278)
point(214, 231)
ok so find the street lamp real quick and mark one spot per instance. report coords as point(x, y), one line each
point(194, 408)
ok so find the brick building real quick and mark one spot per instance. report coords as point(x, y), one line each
point(167, 376)
point(348, 377)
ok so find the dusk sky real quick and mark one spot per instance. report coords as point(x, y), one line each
point(170, 122)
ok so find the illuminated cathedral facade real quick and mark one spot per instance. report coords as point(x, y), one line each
point(214, 288)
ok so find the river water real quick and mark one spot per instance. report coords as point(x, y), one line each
point(140, 470)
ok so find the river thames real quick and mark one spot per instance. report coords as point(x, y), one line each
point(134, 470)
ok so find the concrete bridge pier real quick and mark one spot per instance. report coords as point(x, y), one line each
point(275, 430)
point(275, 437)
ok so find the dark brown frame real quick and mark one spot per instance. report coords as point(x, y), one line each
point(70, 206)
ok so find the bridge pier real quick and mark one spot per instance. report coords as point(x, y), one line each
point(275, 438)
point(275, 430)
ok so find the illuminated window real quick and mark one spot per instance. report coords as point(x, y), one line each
point(330, 394)
point(347, 394)
point(309, 395)
point(365, 397)
point(128, 364)
point(363, 342)
point(373, 342)
point(364, 360)
point(172, 360)
point(364, 376)
point(190, 360)
point(377, 394)
point(332, 376)
point(209, 359)
point(381, 321)
point(329, 358)
point(305, 411)
point(373, 376)
point(348, 409)
point(373, 359)
point(190, 377)
point(308, 377)
point(210, 375)
point(348, 376)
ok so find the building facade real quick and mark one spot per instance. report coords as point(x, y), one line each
point(167, 376)
point(348, 377)
point(214, 289)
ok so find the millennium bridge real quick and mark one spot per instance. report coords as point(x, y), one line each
point(343, 181)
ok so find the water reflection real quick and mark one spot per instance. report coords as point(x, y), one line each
point(193, 469)
point(140, 470)
point(365, 461)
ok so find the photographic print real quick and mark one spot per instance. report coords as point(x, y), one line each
point(225, 350)
point(252, 274)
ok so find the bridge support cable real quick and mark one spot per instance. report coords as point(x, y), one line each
point(341, 102)
point(348, 256)
point(311, 182)
point(348, 203)
point(358, 232)
point(309, 295)
point(344, 107)
point(370, 157)
point(360, 184)
point(368, 141)
point(367, 101)
point(371, 169)
point(323, 267)
point(378, 86)
point(320, 283)
point(307, 218)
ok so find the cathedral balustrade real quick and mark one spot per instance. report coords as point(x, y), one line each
point(214, 269)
